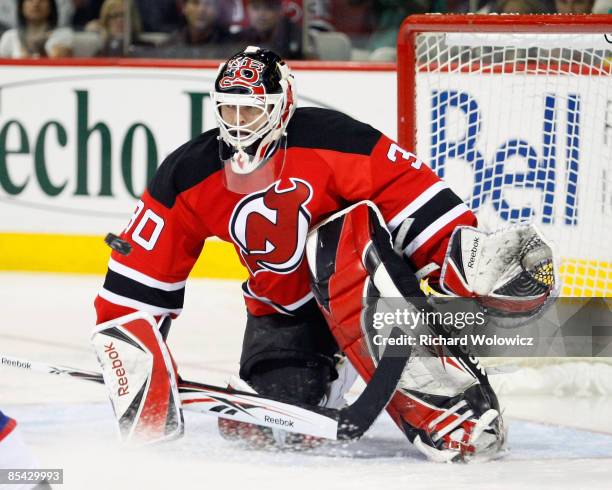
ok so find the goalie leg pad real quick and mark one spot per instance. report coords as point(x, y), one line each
point(141, 378)
point(443, 403)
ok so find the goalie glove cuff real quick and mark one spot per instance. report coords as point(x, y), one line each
point(141, 378)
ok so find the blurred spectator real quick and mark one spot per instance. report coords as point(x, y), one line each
point(159, 15)
point(234, 12)
point(8, 12)
point(388, 17)
point(3, 27)
point(111, 27)
point(319, 13)
point(70, 13)
point(451, 6)
point(37, 34)
point(375, 23)
point(8, 15)
point(602, 7)
point(294, 9)
point(574, 6)
point(202, 23)
point(204, 34)
point(355, 18)
point(517, 7)
point(464, 6)
point(65, 10)
point(84, 12)
point(318, 16)
point(521, 7)
point(270, 28)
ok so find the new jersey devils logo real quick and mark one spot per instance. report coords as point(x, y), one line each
point(270, 226)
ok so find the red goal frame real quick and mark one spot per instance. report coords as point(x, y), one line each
point(416, 24)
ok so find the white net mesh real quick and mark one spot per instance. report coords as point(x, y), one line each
point(520, 126)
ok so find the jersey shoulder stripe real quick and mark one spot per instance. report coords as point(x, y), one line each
point(326, 129)
point(186, 167)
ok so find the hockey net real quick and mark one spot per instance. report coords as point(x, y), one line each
point(515, 113)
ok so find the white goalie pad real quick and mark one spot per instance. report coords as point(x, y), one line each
point(140, 378)
point(512, 271)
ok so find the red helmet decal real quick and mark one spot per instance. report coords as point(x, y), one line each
point(270, 226)
point(244, 72)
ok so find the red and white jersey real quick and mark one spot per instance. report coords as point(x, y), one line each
point(330, 162)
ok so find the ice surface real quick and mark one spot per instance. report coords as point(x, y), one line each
point(69, 424)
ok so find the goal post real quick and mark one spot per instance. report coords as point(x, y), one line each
point(515, 113)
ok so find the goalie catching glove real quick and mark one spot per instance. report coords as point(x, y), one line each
point(510, 272)
point(141, 378)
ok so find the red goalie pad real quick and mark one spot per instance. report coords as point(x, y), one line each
point(354, 271)
point(349, 257)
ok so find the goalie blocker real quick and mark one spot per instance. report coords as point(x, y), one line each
point(444, 403)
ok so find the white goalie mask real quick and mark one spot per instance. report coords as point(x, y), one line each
point(254, 101)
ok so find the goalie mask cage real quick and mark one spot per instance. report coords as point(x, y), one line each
point(515, 113)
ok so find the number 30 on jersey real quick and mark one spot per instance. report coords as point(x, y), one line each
point(153, 223)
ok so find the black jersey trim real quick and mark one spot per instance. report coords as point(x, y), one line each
point(186, 167)
point(326, 129)
point(442, 203)
point(129, 288)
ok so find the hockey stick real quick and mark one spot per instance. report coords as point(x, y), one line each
point(345, 424)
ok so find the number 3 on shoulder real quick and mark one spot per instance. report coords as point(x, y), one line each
point(406, 155)
point(149, 215)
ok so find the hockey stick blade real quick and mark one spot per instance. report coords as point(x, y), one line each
point(345, 424)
